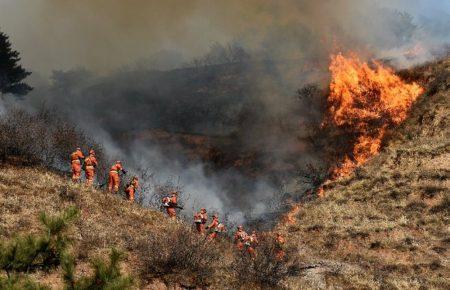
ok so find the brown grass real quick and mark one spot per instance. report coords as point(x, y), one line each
point(384, 227)
point(387, 225)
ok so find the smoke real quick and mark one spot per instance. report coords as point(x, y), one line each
point(103, 35)
point(124, 71)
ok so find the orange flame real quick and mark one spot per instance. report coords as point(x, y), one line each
point(291, 216)
point(366, 101)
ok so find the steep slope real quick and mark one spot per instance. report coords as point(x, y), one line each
point(105, 221)
point(384, 226)
point(387, 224)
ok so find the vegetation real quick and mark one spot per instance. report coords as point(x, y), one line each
point(41, 138)
point(12, 73)
point(386, 225)
point(181, 250)
point(106, 275)
point(266, 269)
point(28, 253)
point(49, 250)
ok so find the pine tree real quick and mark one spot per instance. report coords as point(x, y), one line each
point(27, 253)
point(12, 73)
point(106, 275)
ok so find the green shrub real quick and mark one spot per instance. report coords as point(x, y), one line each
point(106, 276)
point(20, 282)
point(28, 253)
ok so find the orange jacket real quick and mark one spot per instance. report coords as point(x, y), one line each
point(91, 161)
point(116, 168)
point(253, 240)
point(240, 236)
point(214, 223)
point(76, 156)
point(134, 184)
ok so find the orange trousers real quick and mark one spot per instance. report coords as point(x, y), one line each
point(251, 251)
point(279, 254)
point(130, 193)
point(90, 174)
point(212, 236)
point(114, 181)
point(76, 170)
point(200, 228)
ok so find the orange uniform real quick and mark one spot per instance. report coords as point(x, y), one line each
point(240, 237)
point(170, 203)
point(279, 246)
point(200, 220)
point(114, 178)
point(75, 159)
point(216, 227)
point(132, 188)
point(251, 242)
point(90, 164)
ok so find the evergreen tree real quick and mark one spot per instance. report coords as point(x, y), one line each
point(28, 253)
point(106, 275)
point(12, 73)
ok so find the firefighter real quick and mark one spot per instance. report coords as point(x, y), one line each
point(75, 159)
point(171, 204)
point(90, 163)
point(216, 227)
point(114, 177)
point(279, 246)
point(132, 188)
point(240, 237)
point(251, 242)
point(200, 220)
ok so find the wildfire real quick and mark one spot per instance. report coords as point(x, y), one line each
point(366, 101)
point(291, 216)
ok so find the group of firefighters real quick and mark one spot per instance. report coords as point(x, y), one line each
point(244, 242)
point(90, 163)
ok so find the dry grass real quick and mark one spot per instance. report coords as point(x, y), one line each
point(384, 227)
point(105, 221)
point(387, 225)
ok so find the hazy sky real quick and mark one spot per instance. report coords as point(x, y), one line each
point(106, 34)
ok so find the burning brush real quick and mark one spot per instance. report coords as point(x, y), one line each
point(365, 101)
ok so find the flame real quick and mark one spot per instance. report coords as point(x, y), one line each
point(291, 215)
point(366, 101)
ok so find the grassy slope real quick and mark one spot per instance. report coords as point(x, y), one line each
point(387, 225)
point(105, 220)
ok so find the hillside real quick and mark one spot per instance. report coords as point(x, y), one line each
point(105, 221)
point(387, 224)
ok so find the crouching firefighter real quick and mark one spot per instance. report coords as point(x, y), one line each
point(131, 188)
point(215, 227)
point(114, 177)
point(75, 159)
point(200, 220)
point(90, 163)
point(171, 204)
